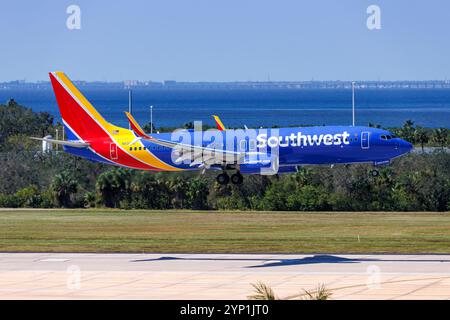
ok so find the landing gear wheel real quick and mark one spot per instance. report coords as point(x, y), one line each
point(237, 178)
point(374, 173)
point(223, 179)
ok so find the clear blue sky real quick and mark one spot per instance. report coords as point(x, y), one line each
point(223, 40)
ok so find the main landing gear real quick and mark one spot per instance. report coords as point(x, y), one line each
point(224, 179)
point(237, 178)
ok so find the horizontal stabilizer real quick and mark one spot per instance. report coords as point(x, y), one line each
point(64, 143)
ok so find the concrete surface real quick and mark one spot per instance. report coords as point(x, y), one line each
point(220, 276)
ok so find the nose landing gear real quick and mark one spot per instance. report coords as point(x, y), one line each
point(224, 179)
point(374, 173)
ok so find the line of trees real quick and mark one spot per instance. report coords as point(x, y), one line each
point(28, 178)
point(423, 136)
point(415, 182)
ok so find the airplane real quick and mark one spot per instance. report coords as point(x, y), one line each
point(264, 151)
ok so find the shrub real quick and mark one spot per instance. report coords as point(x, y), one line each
point(307, 198)
point(9, 201)
point(29, 197)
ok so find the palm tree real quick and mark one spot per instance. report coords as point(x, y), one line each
point(63, 186)
point(178, 188)
point(421, 136)
point(440, 136)
point(149, 127)
point(148, 191)
point(197, 193)
point(112, 186)
point(303, 177)
point(407, 131)
point(89, 199)
point(188, 125)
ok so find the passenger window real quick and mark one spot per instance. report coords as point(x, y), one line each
point(131, 148)
point(252, 144)
point(140, 148)
point(135, 148)
point(243, 145)
point(389, 137)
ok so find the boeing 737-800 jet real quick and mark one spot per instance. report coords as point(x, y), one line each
point(244, 151)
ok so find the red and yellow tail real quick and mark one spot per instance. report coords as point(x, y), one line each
point(106, 140)
point(77, 113)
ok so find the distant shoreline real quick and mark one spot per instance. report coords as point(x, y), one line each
point(228, 85)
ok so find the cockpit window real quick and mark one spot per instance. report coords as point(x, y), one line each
point(383, 137)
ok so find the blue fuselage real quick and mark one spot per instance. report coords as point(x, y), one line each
point(295, 146)
point(316, 145)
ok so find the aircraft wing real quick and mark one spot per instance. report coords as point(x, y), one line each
point(203, 157)
point(74, 144)
point(198, 155)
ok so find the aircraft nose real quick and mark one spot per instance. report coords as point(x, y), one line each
point(405, 146)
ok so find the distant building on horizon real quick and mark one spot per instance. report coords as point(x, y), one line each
point(271, 85)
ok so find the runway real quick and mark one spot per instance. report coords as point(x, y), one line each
point(220, 276)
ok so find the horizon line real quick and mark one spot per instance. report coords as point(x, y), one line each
point(24, 81)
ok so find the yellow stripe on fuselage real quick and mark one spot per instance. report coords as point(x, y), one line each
point(125, 136)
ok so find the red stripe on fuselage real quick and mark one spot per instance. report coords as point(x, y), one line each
point(89, 130)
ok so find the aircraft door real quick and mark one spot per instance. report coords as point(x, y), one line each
point(113, 151)
point(365, 140)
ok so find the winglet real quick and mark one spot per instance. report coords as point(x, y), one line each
point(219, 123)
point(135, 126)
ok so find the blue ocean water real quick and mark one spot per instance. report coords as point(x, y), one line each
point(254, 108)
